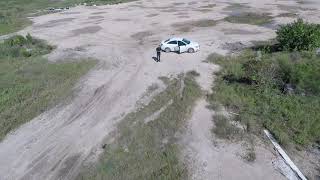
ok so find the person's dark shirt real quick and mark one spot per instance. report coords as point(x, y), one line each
point(158, 49)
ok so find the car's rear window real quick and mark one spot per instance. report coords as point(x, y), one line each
point(186, 41)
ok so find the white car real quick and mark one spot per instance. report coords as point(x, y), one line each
point(179, 45)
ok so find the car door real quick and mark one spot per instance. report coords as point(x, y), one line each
point(173, 45)
point(182, 46)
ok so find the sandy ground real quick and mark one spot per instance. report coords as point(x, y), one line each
point(123, 38)
point(210, 158)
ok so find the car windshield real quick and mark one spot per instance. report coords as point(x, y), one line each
point(166, 40)
point(186, 41)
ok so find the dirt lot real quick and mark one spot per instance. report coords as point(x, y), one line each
point(123, 38)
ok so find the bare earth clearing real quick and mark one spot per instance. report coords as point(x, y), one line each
point(123, 37)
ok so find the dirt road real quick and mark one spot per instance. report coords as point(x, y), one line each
point(123, 38)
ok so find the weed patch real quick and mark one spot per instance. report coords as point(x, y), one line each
point(29, 84)
point(19, 46)
point(249, 18)
point(299, 36)
point(147, 149)
point(279, 92)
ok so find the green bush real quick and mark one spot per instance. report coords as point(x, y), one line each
point(17, 40)
point(299, 36)
point(20, 46)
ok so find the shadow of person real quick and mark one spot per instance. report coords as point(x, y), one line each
point(155, 59)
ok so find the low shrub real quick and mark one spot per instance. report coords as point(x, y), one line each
point(20, 46)
point(299, 36)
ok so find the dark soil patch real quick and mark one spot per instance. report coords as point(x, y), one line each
point(56, 22)
point(141, 36)
point(70, 13)
point(294, 9)
point(208, 6)
point(192, 3)
point(237, 7)
point(188, 25)
point(152, 15)
point(183, 16)
point(203, 10)
point(97, 13)
point(288, 14)
point(239, 31)
point(86, 30)
point(121, 19)
point(250, 18)
point(178, 4)
point(96, 17)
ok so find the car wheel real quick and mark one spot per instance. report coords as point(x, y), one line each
point(190, 50)
point(167, 50)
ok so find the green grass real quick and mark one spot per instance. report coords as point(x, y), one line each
point(14, 13)
point(149, 150)
point(257, 91)
point(29, 84)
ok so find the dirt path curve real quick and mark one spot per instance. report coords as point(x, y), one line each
point(123, 38)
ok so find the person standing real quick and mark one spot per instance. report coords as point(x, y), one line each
point(158, 49)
